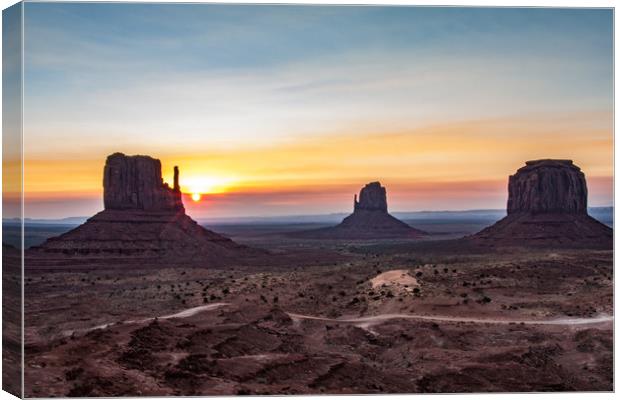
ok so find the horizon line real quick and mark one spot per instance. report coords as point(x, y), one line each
point(302, 215)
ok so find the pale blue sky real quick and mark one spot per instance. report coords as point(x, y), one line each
point(235, 72)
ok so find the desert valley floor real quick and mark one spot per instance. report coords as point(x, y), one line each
point(325, 317)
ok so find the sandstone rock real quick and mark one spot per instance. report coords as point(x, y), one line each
point(125, 234)
point(135, 183)
point(370, 220)
point(373, 197)
point(547, 206)
point(545, 186)
point(143, 219)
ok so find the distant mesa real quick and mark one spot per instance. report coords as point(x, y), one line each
point(547, 205)
point(370, 220)
point(143, 217)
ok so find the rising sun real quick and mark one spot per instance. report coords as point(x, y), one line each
point(198, 186)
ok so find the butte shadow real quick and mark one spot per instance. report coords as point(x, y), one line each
point(370, 220)
point(143, 220)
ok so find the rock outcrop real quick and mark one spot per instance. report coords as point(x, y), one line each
point(370, 220)
point(373, 197)
point(135, 183)
point(547, 206)
point(548, 186)
point(143, 218)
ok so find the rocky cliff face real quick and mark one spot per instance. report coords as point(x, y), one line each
point(373, 197)
point(135, 183)
point(547, 206)
point(548, 186)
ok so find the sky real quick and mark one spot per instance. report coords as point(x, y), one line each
point(281, 110)
point(11, 112)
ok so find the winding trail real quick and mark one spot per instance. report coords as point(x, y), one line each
point(365, 322)
point(181, 314)
point(368, 321)
point(193, 311)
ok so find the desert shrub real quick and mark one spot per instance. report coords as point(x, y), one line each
point(74, 373)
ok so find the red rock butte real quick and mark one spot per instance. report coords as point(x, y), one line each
point(547, 186)
point(370, 220)
point(548, 206)
point(143, 217)
point(135, 183)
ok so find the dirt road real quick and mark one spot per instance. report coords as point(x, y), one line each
point(364, 322)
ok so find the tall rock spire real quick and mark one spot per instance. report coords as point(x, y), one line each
point(176, 187)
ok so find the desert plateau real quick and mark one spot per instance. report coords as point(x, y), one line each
point(176, 309)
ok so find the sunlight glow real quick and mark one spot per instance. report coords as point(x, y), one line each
point(199, 185)
point(196, 197)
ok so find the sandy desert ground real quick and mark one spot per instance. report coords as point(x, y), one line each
point(326, 317)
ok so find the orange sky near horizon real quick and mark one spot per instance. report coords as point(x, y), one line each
point(443, 166)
